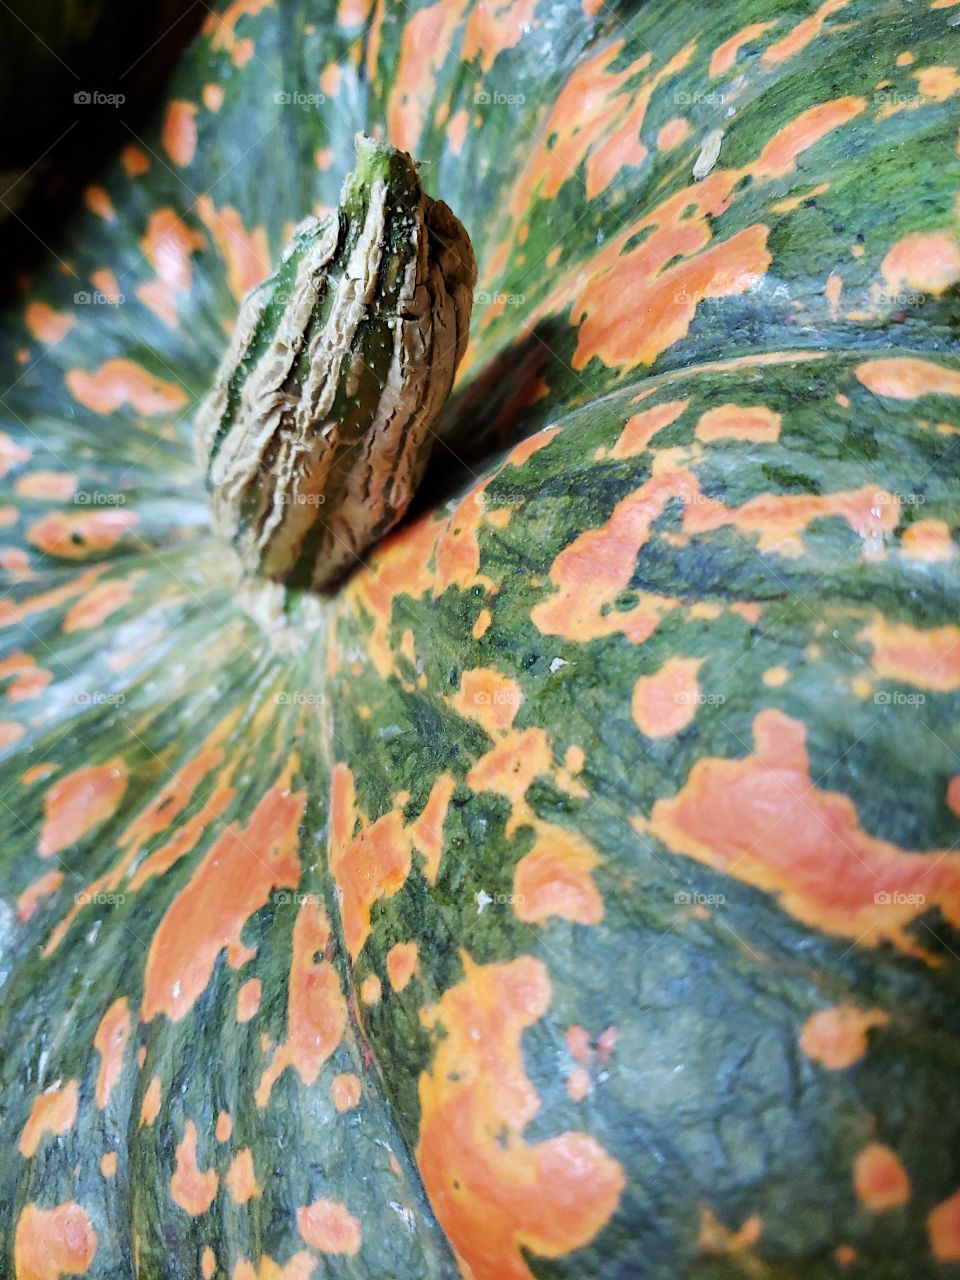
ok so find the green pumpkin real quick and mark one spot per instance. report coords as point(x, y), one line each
point(573, 891)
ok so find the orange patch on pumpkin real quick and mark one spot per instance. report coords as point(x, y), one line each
point(241, 1177)
point(879, 1179)
point(907, 378)
point(33, 895)
point(98, 201)
point(493, 1197)
point(99, 604)
point(152, 1098)
point(248, 1000)
point(424, 46)
point(837, 1038)
point(46, 325)
point(457, 130)
point(233, 880)
point(724, 57)
point(212, 96)
point(928, 541)
point(191, 1188)
point(402, 960)
point(108, 1164)
point(943, 1229)
point(371, 989)
point(135, 161)
point(495, 26)
point(179, 136)
point(666, 702)
point(29, 678)
point(346, 1091)
point(316, 1008)
point(224, 1126)
point(246, 254)
point(72, 537)
point(926, 261)
point(763, 820)
point(110, 1042)
point(329, 1227)
point(802, 34)
point(553, 880)
point(167, 246)
point(673, 133)
point(53, 1112)
point(78, 802)
point(51, 1243)
point(208, 1263)
point(926, 659)
point(642, 427)
point(53, 486)
point(755, 423)
point(488, 697)
point(119, 382)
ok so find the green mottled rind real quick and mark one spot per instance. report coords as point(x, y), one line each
point(707, 1099)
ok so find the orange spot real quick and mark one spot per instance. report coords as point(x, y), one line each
point(30, 679)
point(642, 427)
point(401, 964)
point(224, 1126)
point(370, 989)
point(323, 158)
point(248, 1000)
point(212, 96)
point(925, 659)
point(755, 423)
point(111, 1043)
point(943, 1230)
point(167, 246)
point(489, 698)
point(98, 201)
point(316, 1009)
point(774, 677)
point(192, 1189)
point(907, 378)
point(50, 1243)
point(328, 1227)
point(495, 26)
point(246, 254)
point(716, 1238)
point(53, 1112)
point(33, 895)
point(150, 1107)
point(837, 1038)
point(666, 702)
point(790, 203)
point(78, 802)
point(763, 820)
point(179, 137)
point(578, 1043)
point(424, 46)
point(46, 325)
point(108, 1164)
point(54, 486)
point(120, 382)
point(233, 880)
point(778, 158)
point(208, 1263)
point(241, 1178)
point(779, 520)
point(673, 133)
point(492, 1192)
point(879, 1179)
point(928, 541)
point(482, 624)
point(135, 161)
point(725, 55)
point(346, 1091)
point(99, 604)
point(802, 34)
point(553, 879)
point(376, 862)
point(926, 261)
point(578, 1084)
point(72, 537)
point(457, 129)
point(351, 13)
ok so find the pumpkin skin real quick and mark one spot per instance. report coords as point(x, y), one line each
point(573, 893)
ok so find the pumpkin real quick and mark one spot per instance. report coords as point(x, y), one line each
point(572, 890)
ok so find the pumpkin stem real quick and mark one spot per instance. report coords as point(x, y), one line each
point(318, 427)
